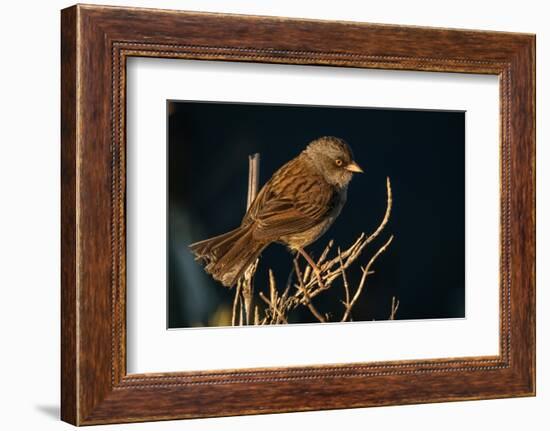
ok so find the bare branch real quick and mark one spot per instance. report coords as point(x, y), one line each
point(241, 311)
point(276, 304)
point(331, 269)
point(313, 267)
point(245, 286)
point(324, 254)
point(364, 277)
point(344, 279)
point(253, 178)
point(277, 314)
point(306, 298)
point(389, 203)
point(236, 304)
point(394, 307)
point(316, 277)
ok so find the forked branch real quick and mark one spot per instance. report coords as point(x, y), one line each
point(315, 277)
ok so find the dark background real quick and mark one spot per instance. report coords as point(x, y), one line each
point(421, 151)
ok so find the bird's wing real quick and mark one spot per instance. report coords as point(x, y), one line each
point(292, 201)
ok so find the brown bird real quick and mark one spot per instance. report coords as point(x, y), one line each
point(295, 207)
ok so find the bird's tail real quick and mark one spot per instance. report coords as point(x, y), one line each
point(227, 256)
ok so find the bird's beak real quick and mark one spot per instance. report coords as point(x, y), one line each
point(353, 167)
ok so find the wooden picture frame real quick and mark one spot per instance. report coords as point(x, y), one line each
point(95, 43)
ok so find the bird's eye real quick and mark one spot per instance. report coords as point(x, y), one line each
point(339, 162)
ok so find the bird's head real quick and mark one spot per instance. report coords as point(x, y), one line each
point(333, 158)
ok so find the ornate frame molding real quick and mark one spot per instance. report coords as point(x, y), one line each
point(96, 41)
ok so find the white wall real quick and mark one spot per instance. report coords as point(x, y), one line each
point(29, 224)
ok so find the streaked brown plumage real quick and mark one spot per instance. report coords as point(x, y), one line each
point(295, 207)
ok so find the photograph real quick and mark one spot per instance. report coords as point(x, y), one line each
point(297, 214)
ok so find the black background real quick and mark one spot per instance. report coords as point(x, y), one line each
point(421, 151)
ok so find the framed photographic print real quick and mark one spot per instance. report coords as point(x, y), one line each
point(329, 214)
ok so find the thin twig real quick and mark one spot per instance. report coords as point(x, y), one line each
point(241, 311)
point(394, 307)
point(389, 203)
point(246, 291)
point(313, 266)
point(235, 304)
point(273, 295)
point(344, 279)
point(352, 253)
point(253, 178)
point(306, 298)
point(276, 313)
point(364, 277)
point(275, 303)
point(324, 254)
point(316, 277)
